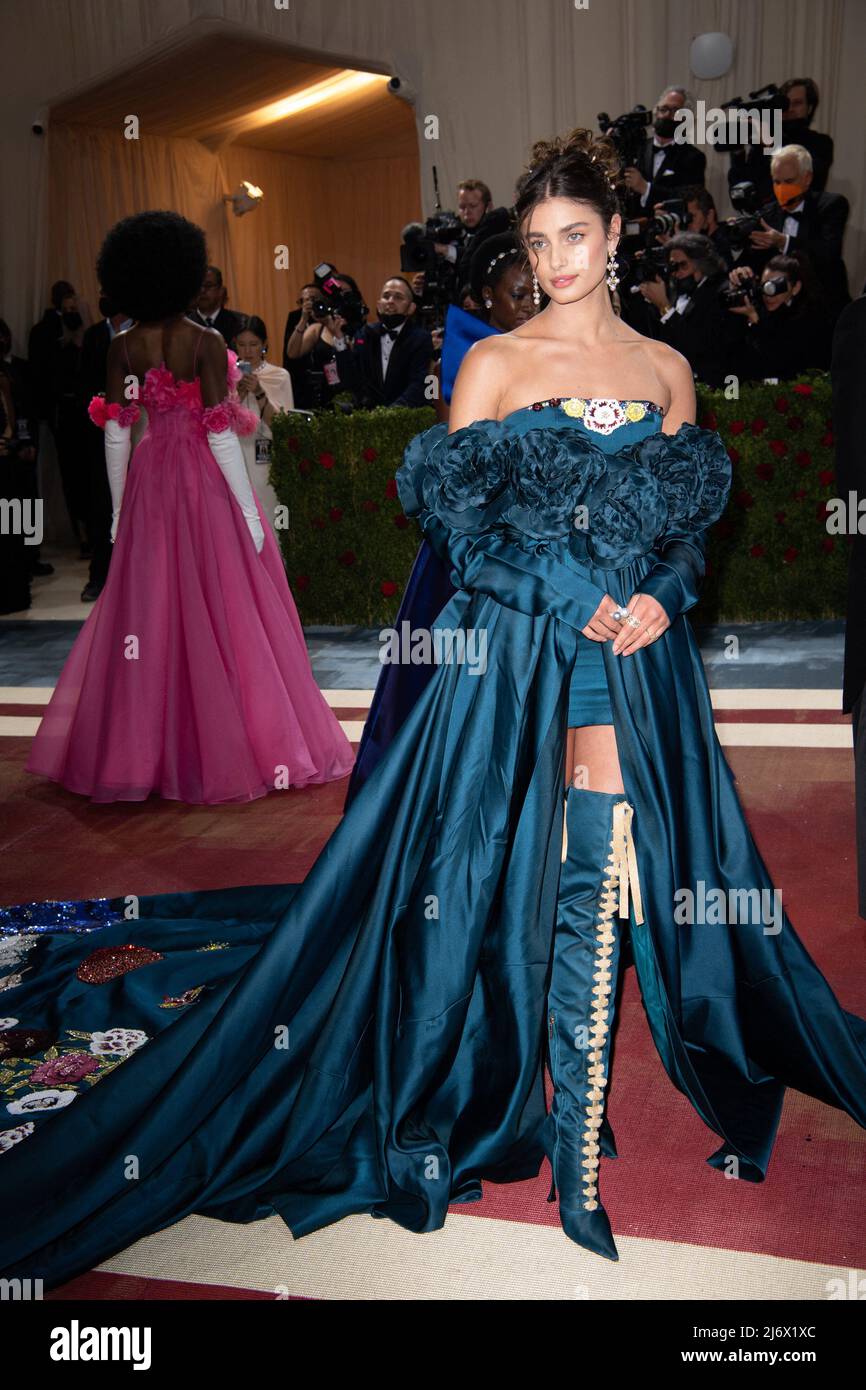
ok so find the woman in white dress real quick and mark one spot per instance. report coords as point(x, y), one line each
point(264, 389)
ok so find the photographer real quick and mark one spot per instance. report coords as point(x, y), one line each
point(752, 162)
point(802, 220)
point(690, 317)
point(480, 220)
point(388, 362)
point(785, 327)
point(310, 349)
point(664, 166)
point(704, 220)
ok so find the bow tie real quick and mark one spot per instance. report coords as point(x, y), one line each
point(389, 332)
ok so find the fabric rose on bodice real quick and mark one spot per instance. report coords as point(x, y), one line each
point(551, 473)
point(626, 514)
point(463, 478)
point(693, 470)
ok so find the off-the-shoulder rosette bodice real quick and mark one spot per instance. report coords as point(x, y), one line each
point(164, 395)
point(541, 476)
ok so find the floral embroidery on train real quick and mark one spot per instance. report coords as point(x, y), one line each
point(53, 1079)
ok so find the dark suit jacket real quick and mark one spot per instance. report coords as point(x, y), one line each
point(494, 222)
point(703, 334)
point(752, 162)
point(849, 392)
point(822, 226)
point(682, 165)
point(227, 322)
point(94, 360)
point(360, 367)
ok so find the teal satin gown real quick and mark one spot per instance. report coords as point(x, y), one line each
point(373, 1039)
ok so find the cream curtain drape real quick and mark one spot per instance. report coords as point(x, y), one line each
point(335, 210)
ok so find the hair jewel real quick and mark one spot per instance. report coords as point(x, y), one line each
point(509, 251)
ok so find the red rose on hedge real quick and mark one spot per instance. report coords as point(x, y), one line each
point(302, 581)
point(293, 443)
point(737, 426)
point(757, 551)
point(802, 389)
point(827, 439)
point(369, 454)
point(826, 477)
point(765, 471)
point(782, 404)
point(799, 494)
point(828, 543)
point(778, 447)
point(304, 465)
point(347, 558)
point(759, 425)
point(326, 460)
point(336, 513)
point(790, 554)
point(391, 488)
point(368, 505)
point(733, 455)
point(821, 511)
point(803, 459)
point(744, 499)
point(318, 522)
point(401, 521)
point(710, 420)
point(388, 587)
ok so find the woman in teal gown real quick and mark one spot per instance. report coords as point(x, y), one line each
point(373, 1040)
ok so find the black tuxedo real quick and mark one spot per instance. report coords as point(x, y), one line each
point(494, 222)
point(752, 162)
point(360, 366)
point(681, 166)
point(822, 221)
point(226, 322)
point(703, 333)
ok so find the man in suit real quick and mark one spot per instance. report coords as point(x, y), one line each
point(849, 391)
point(752, 162)
point(691, 317)
point(800, 219)
point(665, 165)
point(388, 363)
point(210, 310)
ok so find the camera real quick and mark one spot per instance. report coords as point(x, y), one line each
point(650, 264)
point(735, 296)
point(670, 217)
point(763, 101)
point(418, 253)
point(745, 198)
point(334, 299)
point(627, 132)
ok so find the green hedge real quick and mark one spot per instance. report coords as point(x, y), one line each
point(770, 556)
point(349, 549)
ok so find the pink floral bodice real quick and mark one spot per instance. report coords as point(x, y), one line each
point(166, 398)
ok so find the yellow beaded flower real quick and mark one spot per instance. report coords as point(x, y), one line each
point(635, 410)
point(574, 406)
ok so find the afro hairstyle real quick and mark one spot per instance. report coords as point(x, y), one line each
point(152, 265)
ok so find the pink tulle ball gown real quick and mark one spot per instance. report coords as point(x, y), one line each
point(190, 677)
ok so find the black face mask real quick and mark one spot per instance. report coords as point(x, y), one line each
point(392, 320)
point(72, 321)
point(795, 127)
point(665, 127)
point(686, 285)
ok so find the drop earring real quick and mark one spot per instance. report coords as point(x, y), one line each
point(536, 292)
point(612, 277)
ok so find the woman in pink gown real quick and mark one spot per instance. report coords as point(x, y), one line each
point(190, 677)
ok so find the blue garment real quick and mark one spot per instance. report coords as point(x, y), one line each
point(372, 1039)
point(461, 331)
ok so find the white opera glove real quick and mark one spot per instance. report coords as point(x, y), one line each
point(226, 449)
point(118, 446)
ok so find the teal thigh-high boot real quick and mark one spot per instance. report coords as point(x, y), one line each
point(598, 866)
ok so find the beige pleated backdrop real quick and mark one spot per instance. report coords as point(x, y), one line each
point(342, 211)
point(489, 76)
